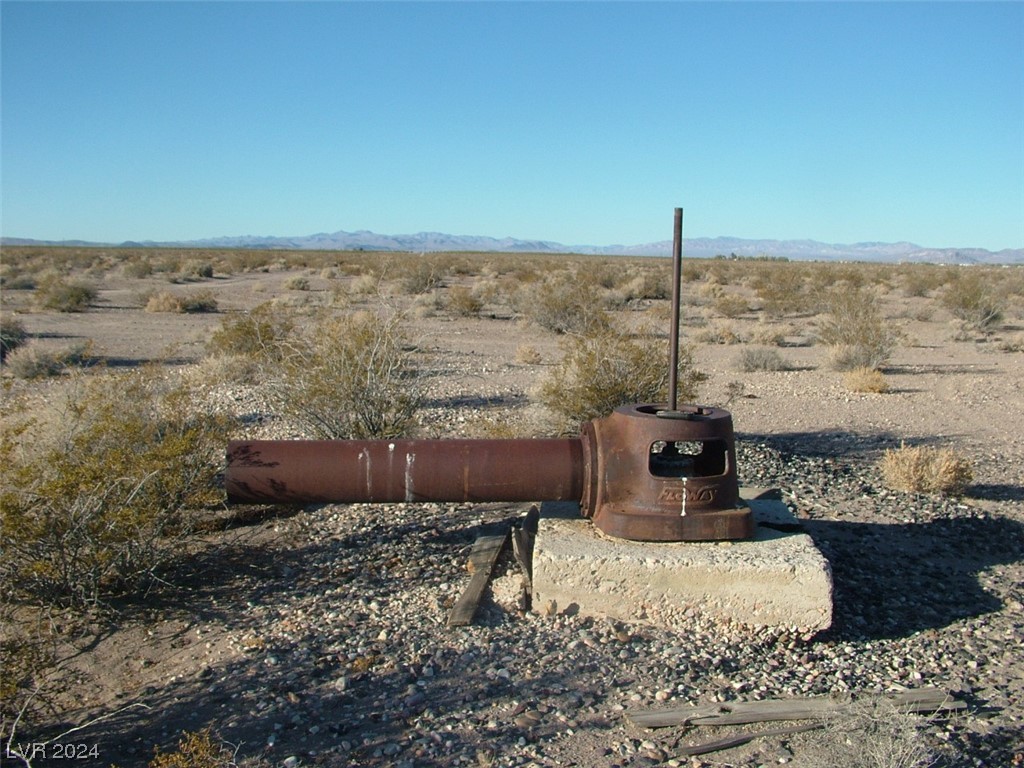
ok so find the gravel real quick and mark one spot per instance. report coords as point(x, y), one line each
point(329, 645)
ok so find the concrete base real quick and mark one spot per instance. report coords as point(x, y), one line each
point(778, 578)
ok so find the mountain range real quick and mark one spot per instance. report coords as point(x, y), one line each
point(700, 247)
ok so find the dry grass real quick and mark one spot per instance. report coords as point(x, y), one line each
point(866, 380)
point(875, 734)
point(761, 359)
point(924, 469)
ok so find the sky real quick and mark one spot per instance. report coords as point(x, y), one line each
point(584, 123)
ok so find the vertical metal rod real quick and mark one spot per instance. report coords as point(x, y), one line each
point(677, 278)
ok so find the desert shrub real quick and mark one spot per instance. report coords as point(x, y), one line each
point(422, 275)
point(259, 334)
point(973, 302)
point(649, 284)
point(718, 333)
point(34, 361)
point(66, 295)
point(598, 373)
point(165, 301)
point(856, 330)
point(925, 469)
point(866, 379)
point(297, 283)
point(872, 733)
point(921, 279)
point(1013, 344)
point(769, 336)
point(98, 498)
point(349, 377)
point(12, 335)
point(196, 303)
point(463, 302)
point(364, 284)
point(782, 290)
point(528, 355)
point(761, 359)
point(195, 269)
point(694, 271)
point(162, 301)
point(562, 304)
point(730, 305)
point(196, 749)
point(138, 268)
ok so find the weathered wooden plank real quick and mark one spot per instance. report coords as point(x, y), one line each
point(741, 712)
point(740, 739)
point(482, 558)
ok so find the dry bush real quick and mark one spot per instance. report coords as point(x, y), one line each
point(527, 354)
point(259, 335)
point(730, 305)
point(856, 331)
point(137, 268)
point(972, 301)
point(876, 733)
point(718, 333)
point(195, 269)
point(196, 749)
point(364, 284)
point(769, 336)
point(349, 377)
point(463, 302)
point(599, 373)
point(924, 469)
point(781, 289)
point(34, 361)
point(163, 301)
point(12, 335)
point(649, 284)
point(761, 359)
point(422, 274)
point(563, 304)
point(66, 295)
point(196, 303)
point(97, 498)
point(297, 283)
point(921, 279)
point(868, 380)
point(1013, 344)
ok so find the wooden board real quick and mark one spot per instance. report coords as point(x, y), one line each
point(741, 712)
point(482, 559)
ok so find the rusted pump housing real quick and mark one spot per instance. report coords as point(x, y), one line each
point(642, 473)
point(661, 475)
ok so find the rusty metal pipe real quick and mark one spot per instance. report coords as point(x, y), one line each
point(351, 471)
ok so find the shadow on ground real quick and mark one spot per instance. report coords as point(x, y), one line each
point(894, 580)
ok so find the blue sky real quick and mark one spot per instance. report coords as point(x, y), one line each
point(583, 123)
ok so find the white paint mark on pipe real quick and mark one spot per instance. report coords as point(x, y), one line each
point(364, 457)
point(683, 513)
point(410, 459)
